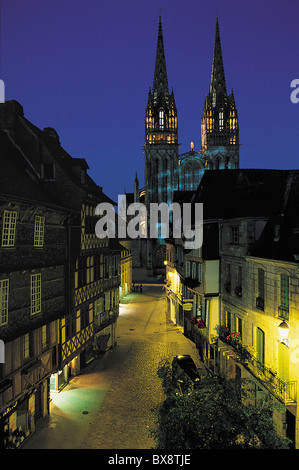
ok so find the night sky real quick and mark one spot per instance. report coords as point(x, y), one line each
point(85, 67)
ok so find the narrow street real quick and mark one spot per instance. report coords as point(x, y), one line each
point(109, 405)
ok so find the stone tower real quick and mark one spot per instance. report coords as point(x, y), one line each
point(219, 124)
point(161, 134)
point(160, 148)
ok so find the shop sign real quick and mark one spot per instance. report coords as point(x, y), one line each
point(188, 306)
point(9, 409)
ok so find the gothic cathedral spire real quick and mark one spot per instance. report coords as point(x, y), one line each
point(161, 133)
point(160, 86)
point(161, 144)
point(219, 124)
point(218, 85)
point(161, 112)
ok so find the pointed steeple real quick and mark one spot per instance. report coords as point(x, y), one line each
point(161, 122)
point(219, 124)
point(160, 86)
point(136, 189)
point(218, 85)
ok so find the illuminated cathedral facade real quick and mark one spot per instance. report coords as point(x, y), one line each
point(165, 170)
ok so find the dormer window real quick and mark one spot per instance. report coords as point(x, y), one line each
point(83, 176)
point(48, 171)
point(234, 235)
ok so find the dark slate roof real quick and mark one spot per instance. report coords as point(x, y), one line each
point(272, 194)
point(17, 178)
point(229, 194)
point(182, 196)
point(66, 161)
point(280, 238)
point(114, 245)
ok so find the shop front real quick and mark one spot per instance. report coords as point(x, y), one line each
point(18, 420)
point(59, 379)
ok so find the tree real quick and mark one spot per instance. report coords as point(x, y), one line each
point(216, 414)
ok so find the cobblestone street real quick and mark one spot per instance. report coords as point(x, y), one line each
point(109, 405)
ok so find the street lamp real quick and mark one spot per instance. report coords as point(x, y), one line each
point(283, 329)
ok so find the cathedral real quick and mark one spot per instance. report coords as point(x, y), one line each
point(165, 170)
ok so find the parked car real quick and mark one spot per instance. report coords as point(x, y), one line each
point(186, 364)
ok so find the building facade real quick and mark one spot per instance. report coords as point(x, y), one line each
point(32, 295)
point(249, 328)
point(59, 282)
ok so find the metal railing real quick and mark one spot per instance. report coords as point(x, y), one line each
point(286, 392)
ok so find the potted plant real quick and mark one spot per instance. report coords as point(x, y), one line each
point(200, 324)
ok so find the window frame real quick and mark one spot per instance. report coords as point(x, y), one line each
point(284, 296)
point(45, 336)
point(4, 284)
point(260, 345)
point(260, 300)
point(39, 231)
point(9, 228)
point(161, 119)
point(35, 293)
point(235, 235)
point(26, 346)
point(188, 268)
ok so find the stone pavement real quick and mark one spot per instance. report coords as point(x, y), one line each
point(110, 404)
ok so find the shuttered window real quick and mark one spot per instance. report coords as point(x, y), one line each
point(260, 345)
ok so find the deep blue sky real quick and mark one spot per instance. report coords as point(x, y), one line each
point(84, 67)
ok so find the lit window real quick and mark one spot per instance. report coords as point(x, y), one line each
point(26, 346)
point(221, 120)
point(9, 228)
point(44, 336)
point(161, 119)
point(98, 310)
point(35, 293)
point(39, 230)
point(4, 287)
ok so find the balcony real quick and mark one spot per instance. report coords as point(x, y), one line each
point(285, 392)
